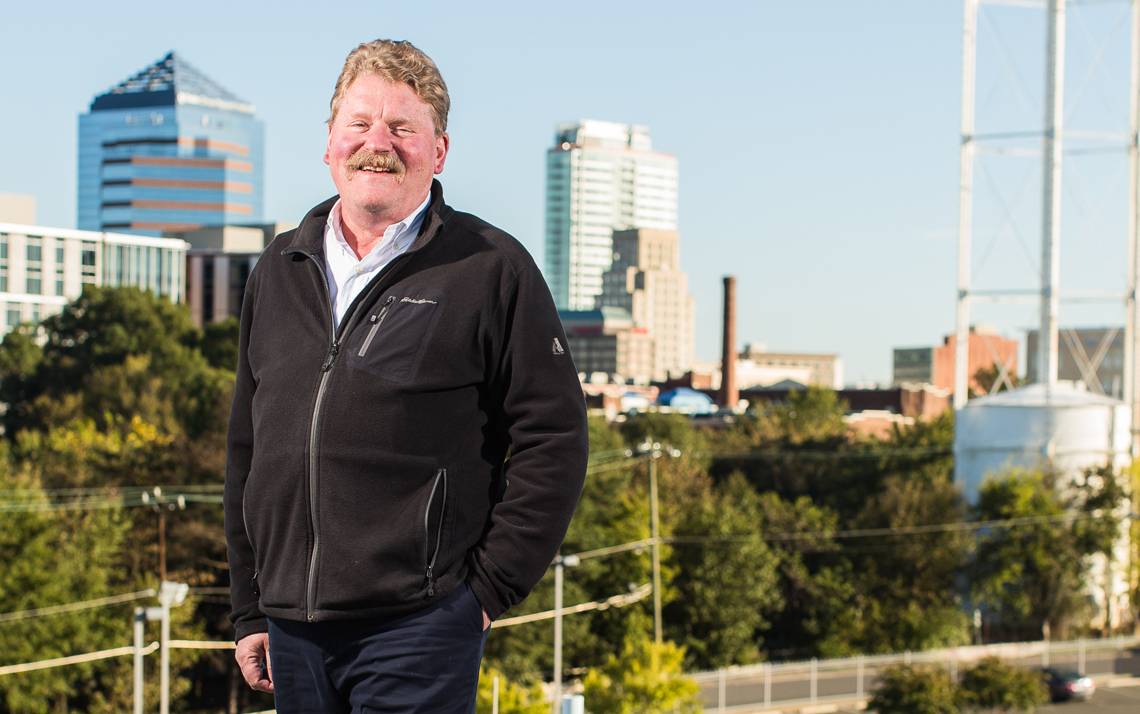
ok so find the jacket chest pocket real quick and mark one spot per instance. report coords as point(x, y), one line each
point(392, 340)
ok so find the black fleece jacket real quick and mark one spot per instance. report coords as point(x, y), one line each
point(367, 471)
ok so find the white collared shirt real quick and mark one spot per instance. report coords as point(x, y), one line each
point(347, 275)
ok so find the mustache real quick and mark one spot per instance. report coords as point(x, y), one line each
point(381, 161)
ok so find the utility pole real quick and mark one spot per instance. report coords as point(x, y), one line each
point(654, 533)
point(560, 561)
point(161, 504)
point(139, 623)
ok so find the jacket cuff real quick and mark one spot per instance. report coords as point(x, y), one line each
point(484, 589)
point(248, 627)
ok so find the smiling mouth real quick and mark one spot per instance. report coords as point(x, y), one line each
point(376, 163)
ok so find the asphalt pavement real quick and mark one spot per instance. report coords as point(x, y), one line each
point(1115, 700)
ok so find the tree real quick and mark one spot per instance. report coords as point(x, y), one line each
point(986, 377)
point(644, 678)
point(910, 580)
point(992, 684)
point(1034, 573)
point(112, 350)
point(514, 697)
point(40, 549)
point(906, 689)
point(726, 575)
point(814, 414)
point(819, 612)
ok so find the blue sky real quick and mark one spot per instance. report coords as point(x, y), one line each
point(817, 142)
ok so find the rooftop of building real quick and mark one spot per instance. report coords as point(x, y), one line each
point(103, 236)
point(169, 81)
point(1061, 394)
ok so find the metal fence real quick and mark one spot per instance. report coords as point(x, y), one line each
point(852, 679)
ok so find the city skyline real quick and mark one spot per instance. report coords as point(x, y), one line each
point(818, 149)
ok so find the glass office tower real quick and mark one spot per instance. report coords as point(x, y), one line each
point(169, 150)
point(600, 177)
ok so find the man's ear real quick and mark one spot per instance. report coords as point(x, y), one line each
point(442, 144)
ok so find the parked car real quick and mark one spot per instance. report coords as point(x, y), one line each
point(1066, 684)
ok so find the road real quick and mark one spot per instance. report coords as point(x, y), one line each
point(1121, 700)
point(748, 693)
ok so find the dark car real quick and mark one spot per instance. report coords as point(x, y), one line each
point(1066, 684)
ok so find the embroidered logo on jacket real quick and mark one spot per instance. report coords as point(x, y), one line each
point(419, 301)
point(558, 347)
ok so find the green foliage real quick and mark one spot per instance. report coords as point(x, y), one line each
point(814, 414)
point(675, 430)
point(726, 576)
point(905, 689)
point(514, 697)
point(986, 377)
point(219, 343)
point(644, 678)
point(117, 351)
point(994, 685)
point(51, 558)
point(1033, 574)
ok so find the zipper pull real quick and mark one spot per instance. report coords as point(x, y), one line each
point(334, 348)
point(431, 582)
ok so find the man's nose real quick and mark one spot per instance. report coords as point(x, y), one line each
point(378, 138)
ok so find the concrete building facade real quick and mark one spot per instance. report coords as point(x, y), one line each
point(645, 280)
point(607, 346)
point(757, 367)
point(600, 177)
point(218, 265)
point(169, 149)
point(935, 365)
point(42, 269)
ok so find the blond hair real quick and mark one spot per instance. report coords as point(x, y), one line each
point(396, 61)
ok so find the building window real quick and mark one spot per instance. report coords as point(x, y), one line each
point(59, 270)
point(4, 266)
point(35, 268)
point(13, 316)
point(87, 274)
point(208, 290)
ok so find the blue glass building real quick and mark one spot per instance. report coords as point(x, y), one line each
point(169, 150)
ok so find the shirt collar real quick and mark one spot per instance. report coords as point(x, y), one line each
point(400, 234)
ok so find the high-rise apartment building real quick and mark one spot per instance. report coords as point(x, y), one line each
point(168, 149)
point(42, 269)
point(600, 177)
point(646, 281)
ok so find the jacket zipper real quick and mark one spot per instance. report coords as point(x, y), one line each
point(440, 476)
point(314, 427)
point(376, 320)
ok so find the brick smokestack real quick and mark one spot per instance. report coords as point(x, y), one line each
point(729, 395)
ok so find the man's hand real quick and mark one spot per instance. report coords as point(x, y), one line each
point(252, 655)
point(486, 621)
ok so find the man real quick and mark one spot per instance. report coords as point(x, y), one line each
point(408, 440)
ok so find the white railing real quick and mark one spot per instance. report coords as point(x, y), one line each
point(817, 681)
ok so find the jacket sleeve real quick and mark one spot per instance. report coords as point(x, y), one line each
point(543, 416)
point(245, 613)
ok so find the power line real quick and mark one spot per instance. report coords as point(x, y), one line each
point(74, 659)
point(75, 606)
point(961, 526)
point(133, 500)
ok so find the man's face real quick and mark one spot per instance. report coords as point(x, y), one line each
point(382, 148)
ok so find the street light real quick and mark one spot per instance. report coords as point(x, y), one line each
point(561, 561)
point(169, 595)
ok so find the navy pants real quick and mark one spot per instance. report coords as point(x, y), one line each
point(425, 662)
